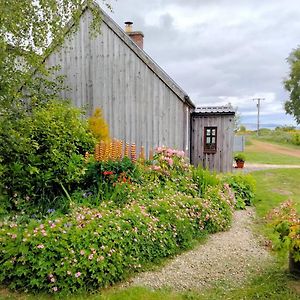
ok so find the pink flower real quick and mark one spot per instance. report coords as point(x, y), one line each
point(181, 153)
point(40, 246)
point(82, 252)
point(14, 236)
point(159, 149)
point(91, 256)
point(156, 168)
point(52, 279)
point(55, 289)
point(169, 160)
point(77, 274)
point(100, 258)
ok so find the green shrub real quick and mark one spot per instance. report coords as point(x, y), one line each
point(204, 179)
point(243, 187)
point(109, 180)
point(42, 151)
point(286, 225)
point(93, 248)
point(296, 139)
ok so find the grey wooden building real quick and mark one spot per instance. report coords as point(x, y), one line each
point(140, 102)
point(212, 137)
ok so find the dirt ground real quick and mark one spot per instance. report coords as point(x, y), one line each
point(259, 146)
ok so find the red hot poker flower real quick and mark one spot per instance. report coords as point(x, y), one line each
point(105, 173)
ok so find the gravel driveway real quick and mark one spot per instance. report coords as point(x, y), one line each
point(251, 167)
point(226, 256)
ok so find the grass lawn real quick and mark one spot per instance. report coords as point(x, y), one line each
point(274, 187)
point(273, 284)
point(256, 154)
point(270, 158)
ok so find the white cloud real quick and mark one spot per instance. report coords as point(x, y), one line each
point(220, 50)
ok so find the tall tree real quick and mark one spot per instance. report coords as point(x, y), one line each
point(292, 85)
point(27, 29)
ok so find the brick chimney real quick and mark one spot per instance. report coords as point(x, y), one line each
point(136, 36)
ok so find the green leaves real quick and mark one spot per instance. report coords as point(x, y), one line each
point(292, 85)
point(29, 30)
point(40, 151)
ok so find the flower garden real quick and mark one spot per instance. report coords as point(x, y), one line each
point(78, 214)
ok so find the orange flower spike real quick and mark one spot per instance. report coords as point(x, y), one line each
point(120, 150)
point(126, 150)
point(110, 151)
point(97, 152)
point(106, 152)
point(133, 153)
point(102, 145)
point(113, 150)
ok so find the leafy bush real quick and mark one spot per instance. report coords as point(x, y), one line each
point(93, 248)
point(109, 180)
point(42, 151)
point(286, 223)
point(285, 135)
point(296, 139)
point(204, 179)
point(243, 187)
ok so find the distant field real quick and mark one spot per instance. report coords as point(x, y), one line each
point(258, 151)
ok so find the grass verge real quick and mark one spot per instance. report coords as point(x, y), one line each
point(270, 158)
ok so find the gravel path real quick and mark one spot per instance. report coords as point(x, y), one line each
point(226, 256)
point(251, 167)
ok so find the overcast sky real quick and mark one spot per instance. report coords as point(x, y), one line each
point(221, 51)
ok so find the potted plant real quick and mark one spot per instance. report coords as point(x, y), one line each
point(240, 159)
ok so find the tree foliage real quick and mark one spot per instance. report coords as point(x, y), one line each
point(27, 29)
point(292, 85)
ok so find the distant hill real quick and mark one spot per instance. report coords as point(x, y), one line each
point(253, 126)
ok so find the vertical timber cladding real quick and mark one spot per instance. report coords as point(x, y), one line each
point(223, 119)
point(140, 102)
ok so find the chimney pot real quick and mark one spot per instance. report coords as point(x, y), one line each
point(136, 36)
point(128, 26)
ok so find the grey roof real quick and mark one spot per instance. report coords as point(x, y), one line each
point(215, 110)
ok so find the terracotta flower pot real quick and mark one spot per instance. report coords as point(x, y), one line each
point(294, 266)
point(240, 164)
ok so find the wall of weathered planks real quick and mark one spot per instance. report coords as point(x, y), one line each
point(222, 160)
point(138, 104)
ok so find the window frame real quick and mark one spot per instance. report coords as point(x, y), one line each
point(208, 148)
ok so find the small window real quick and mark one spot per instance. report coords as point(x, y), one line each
point(210, 139)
